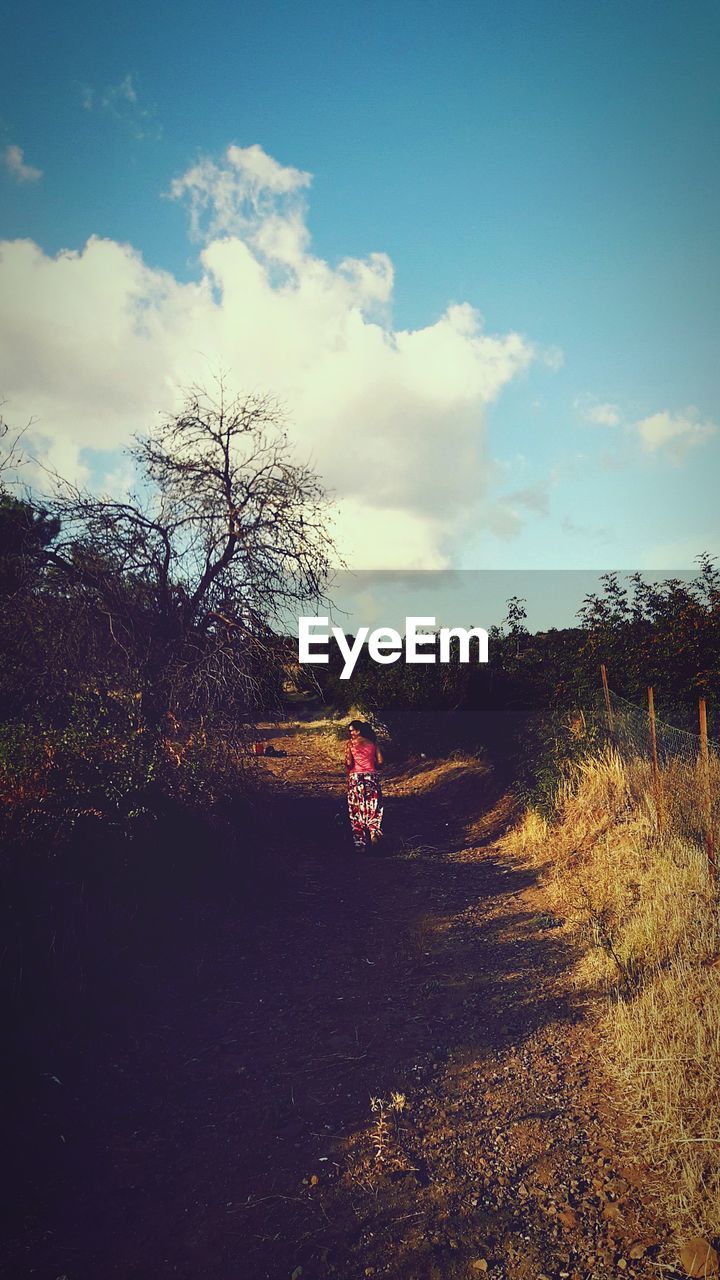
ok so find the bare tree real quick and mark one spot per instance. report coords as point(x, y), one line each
point(195, 574)
point(11, 457)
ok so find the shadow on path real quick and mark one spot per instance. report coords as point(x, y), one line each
point(194, 1138)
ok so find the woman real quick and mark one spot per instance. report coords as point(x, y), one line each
point(363, 758)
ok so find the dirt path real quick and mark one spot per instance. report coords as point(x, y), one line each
point(386, 1073)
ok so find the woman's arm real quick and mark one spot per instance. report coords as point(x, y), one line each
point(379, 754)
point(348, 758)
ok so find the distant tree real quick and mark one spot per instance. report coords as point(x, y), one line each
point(665, 634)
point(515, 620)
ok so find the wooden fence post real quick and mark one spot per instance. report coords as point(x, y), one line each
point(707, 794)
point(655, 765)
point(608, 704)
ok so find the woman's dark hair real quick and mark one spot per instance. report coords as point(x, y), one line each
point(365, 730)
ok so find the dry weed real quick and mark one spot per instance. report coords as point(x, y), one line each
point(636, 891)
point(665, 1050)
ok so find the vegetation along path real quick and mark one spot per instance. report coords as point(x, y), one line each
point(383, 1070)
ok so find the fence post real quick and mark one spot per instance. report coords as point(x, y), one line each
point(655, 765)
point(707, 795)
point(608, 704)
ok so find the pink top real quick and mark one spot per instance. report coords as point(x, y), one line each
point(364, 756)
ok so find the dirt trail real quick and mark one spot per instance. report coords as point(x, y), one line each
point(386, 1073)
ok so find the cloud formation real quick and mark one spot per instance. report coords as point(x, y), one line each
point(673, 433)
point(601, 415)
point(98, 343)
point(239, 195)
point(662, 433)
point(14, 161)
point(121, 101)
point(534, 498)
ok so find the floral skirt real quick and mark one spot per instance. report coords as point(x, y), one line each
point(365, 805)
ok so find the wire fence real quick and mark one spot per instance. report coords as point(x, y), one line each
point(681, 769)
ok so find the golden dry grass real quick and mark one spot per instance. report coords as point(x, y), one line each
point(636, 892)
point(664, 1047)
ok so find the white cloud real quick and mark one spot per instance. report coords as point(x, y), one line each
point(125, 91)
point(93, 344)
point(673, 433)
point(601, 415)
point(553, 358)
point(670, 434)
point(575, 529)
point(238, 196)
point(534, 498)
point(604, 415)
point(14, 161)
point(122, 102)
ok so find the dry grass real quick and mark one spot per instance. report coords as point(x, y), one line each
point(665, 1050)
point(636, 892)
point(450, 776)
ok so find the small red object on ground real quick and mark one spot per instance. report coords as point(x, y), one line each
point(258, 748)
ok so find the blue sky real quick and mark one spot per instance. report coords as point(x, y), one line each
point(551, 166)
